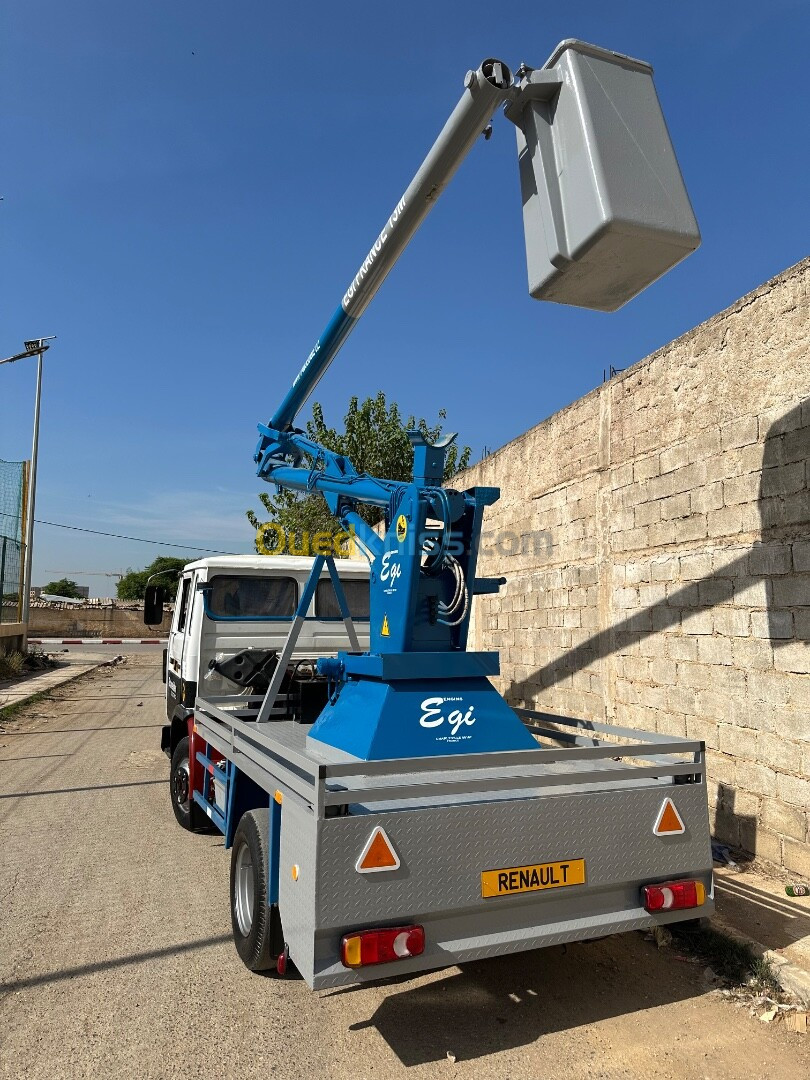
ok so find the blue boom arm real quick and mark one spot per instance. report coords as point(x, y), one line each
point(423, 567)
point(484, 90)
point(281, 449)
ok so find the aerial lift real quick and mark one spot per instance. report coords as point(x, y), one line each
point(421, 821)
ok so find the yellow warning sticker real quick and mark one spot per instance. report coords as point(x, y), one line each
point(386, 631)
point(402, 528)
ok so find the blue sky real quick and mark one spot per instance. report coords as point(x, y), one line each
point(189, 188)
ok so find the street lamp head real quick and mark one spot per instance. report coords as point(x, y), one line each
point(36, 347)
point(38, 344)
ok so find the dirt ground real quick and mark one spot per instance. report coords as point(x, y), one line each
point(116, 956)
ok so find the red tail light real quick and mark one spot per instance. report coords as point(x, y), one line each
point(673, 895)
point(365, 947)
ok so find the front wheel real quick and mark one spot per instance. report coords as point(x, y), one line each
point(257, 932)
point(189, 816)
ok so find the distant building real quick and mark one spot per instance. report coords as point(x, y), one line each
point(82, 590)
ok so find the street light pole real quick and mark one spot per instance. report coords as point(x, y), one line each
point(32, 493)
point(35, 347)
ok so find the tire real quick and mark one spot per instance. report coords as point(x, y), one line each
point(257, 932)
point(189, 816)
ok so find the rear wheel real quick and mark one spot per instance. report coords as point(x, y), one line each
point(189, 815)
point(256, 926)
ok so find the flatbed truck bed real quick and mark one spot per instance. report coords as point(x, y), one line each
point(589, 797)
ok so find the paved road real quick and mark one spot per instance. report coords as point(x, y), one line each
point(116, 958)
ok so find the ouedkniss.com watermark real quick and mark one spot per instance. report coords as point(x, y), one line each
point(273, 539)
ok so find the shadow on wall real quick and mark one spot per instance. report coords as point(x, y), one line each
point(730, 823)
point(784, 512)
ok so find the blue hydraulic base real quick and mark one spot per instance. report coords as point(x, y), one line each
point(376, 721)
point(417, 705)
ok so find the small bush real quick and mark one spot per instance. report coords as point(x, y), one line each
point(734, 960)
point(39, 660)
point(14, 664)
point(11, 665)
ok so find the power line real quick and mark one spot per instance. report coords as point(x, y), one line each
point(120, 536)
point(139, 539)
point(89, 573)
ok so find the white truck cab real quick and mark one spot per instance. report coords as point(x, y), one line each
point(231, 618)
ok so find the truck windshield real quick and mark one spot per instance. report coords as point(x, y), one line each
point(356, 593)
point(252, 597)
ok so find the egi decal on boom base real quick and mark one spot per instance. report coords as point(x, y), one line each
point(433, 716)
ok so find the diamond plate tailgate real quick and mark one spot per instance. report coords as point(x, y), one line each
point(444, 850)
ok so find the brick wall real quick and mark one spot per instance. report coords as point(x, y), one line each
point(656, 540)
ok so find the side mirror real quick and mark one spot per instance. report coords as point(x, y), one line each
point(153, 601)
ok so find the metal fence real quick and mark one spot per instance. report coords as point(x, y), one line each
point(13, 475)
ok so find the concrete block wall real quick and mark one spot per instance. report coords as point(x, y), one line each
point(656, 540)
point(93, 622)
point(11, 637)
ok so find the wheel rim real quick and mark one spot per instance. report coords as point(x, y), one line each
point(181, 778)
point(243, 890)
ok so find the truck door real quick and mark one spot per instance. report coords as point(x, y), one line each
point(178, 692)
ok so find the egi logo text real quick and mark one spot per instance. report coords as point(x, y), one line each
point(435, 713)
point(391, 570)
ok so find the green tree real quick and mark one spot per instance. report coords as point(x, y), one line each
point(376, 442)
point(132, 585)
point(63, 587)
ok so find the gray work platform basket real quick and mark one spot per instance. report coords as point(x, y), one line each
point(605, 209)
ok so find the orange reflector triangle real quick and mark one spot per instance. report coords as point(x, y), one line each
point(669, 822)
point(378, 854)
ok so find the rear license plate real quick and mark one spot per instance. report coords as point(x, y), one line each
point(518, 879)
